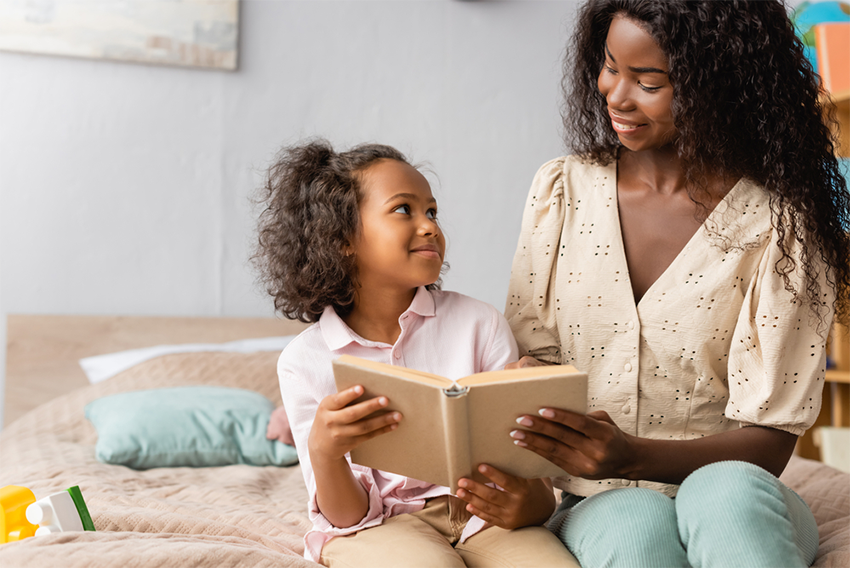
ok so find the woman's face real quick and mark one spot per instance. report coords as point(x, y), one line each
point(636, 88)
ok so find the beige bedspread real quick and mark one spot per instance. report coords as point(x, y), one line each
point(225, 516)
point(176, 517)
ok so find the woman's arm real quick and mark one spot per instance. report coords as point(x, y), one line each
point(593, 447)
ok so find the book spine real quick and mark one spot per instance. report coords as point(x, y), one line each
point(456, 435)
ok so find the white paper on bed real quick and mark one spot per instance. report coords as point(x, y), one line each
point(101, 367)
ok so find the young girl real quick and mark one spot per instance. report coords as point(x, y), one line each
point(350, 241)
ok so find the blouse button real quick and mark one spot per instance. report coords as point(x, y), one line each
point(628, 367)
point(631, 325)
point(626, 408)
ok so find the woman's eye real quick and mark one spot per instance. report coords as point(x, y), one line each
point(405, 209)
point(647, 88)
point(610, 69)
point(432, 214)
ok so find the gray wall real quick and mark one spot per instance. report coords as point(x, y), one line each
point(124, 189)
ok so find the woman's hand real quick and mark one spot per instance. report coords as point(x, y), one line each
point(584, 445)
point(526, 361)
point(339, 428)
point(521, 503)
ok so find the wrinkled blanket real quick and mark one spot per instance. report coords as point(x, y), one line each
point(226, 516)
point(236, 515)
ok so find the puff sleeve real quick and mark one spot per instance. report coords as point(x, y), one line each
point(777, 358)
point(529, 307)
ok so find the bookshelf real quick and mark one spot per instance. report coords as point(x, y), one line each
point(836, 395)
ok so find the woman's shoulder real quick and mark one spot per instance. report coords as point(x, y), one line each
point(571, 171)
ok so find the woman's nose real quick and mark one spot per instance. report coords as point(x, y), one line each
point(616, 92)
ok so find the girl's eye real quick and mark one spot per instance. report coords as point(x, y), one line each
point(432, 214)
point(404, 209)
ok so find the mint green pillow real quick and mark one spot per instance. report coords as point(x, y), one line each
point(186, 426)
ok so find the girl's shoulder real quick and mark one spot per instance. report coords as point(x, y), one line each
point(303, 347)
point(457, 305)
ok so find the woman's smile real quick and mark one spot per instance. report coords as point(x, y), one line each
point(623, 126)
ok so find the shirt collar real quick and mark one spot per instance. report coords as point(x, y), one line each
point(337, 334)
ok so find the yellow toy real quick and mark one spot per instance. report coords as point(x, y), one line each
point(23, 516)
point(14, 525)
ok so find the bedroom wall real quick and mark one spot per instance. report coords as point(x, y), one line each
point(124, 188)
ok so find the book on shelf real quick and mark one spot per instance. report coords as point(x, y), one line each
point(450, 427)
point(832, 41)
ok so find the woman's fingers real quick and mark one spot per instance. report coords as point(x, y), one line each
point(589, 446)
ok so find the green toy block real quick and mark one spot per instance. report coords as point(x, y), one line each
point(80, 503)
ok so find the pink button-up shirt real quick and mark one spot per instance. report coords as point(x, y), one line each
point(445, 333)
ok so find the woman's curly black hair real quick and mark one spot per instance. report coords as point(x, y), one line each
point(746, 103)
point(311, 214)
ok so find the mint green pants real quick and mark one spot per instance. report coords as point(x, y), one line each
point(726, 514)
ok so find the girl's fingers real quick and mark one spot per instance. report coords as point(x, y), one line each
point(478, 504)
point(480, 491)
point(343, 398)
point(503, 480)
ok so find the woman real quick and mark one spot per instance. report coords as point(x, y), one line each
point(690, 258)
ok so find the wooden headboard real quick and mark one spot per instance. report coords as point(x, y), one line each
point(43, 351)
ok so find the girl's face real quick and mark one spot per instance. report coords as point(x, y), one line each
point(635, 85)
point(400, 244)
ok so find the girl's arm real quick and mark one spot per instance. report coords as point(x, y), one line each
point(593, 447)
point(337, 429)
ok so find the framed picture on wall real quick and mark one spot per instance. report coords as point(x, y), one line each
point(192, 33)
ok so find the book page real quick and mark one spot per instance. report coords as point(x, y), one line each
point(402, 372)
point(526, 373)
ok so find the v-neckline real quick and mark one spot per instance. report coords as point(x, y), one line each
point(676, 259)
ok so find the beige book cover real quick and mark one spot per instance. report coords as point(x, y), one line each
point(449, 427)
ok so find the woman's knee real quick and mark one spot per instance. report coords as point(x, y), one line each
point(623, 527)
point(741, 504)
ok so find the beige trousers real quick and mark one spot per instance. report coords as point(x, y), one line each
point(428, 539)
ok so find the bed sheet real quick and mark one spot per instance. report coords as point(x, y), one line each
point(236, 515)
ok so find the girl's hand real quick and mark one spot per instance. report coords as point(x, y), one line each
point(339, 428)
point(278, 428)
point(522, 503)
point(584, 445)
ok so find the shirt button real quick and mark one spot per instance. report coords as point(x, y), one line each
point(397, 355)
point(631, 325)
point(628, 367)
point(404, 316)
point(626, 408)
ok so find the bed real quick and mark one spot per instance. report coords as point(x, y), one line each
point(234, 515)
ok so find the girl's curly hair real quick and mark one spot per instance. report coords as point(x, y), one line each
point(745, 104)
point(311, 200)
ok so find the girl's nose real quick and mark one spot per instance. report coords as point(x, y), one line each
point(428, 227)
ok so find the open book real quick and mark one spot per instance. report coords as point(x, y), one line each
point(450, 427)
